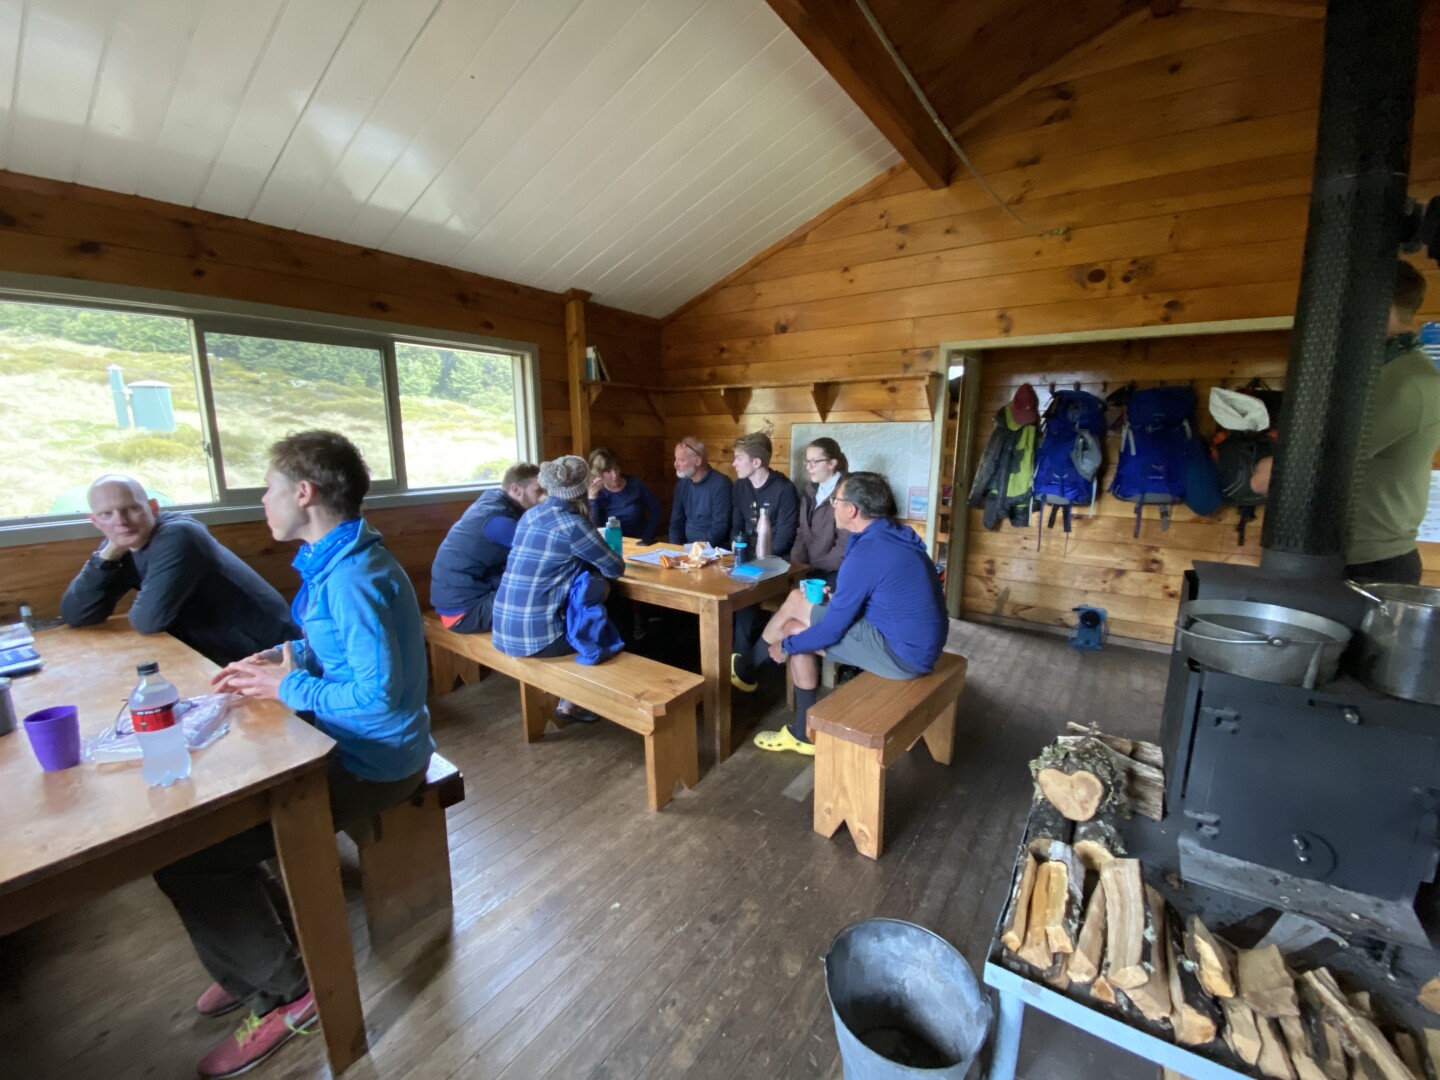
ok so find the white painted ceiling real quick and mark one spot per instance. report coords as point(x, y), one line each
point(639, 149)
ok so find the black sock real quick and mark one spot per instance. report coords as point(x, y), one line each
point(803, 700)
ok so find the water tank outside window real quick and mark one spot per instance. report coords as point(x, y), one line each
point(151, 406)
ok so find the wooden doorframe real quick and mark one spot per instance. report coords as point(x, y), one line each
point(960, 468)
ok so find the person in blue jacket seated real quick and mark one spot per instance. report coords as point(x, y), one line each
point(887, 615)
point(358, 675)
point(702, 505)
point(556, 578)
point(628, 498)
point(466, 574)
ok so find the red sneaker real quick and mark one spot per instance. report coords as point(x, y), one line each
point(215, 1001)
point(257, 1038)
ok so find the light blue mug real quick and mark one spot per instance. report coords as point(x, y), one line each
point(814, 589)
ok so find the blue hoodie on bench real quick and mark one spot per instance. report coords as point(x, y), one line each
point(886, 578)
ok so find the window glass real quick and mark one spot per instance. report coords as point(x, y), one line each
point(267, 388)
point(457, 415)
point(84, 392)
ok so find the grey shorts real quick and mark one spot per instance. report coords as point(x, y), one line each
point(863, 647)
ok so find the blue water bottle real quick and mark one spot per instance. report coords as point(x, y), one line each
point(613, 536)
point(741, 547)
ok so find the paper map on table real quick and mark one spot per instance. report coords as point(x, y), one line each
point(652, 558)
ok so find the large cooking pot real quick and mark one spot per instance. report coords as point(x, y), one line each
point(1261, 641)
point(1400, 641)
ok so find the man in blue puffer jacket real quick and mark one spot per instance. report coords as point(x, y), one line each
point(359, 676)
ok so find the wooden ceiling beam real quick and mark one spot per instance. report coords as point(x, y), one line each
point(1294, 9)
point(840, 38)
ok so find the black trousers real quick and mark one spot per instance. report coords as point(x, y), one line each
point(1400, 570)
point(221, 898)
point(749, 625)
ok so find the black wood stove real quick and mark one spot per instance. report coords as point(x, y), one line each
point(1321, 802)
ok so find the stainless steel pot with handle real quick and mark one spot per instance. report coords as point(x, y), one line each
point(1261, 641)
point(1400, 641)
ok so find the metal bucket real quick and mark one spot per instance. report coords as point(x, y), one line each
point(1261, 641)
point(905, 1003)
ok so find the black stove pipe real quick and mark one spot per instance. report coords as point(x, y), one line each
point(1362, 159)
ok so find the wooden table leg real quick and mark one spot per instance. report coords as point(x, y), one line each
point(310, 865)
point(716, 640)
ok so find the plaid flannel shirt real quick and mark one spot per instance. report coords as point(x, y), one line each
point(553, 543)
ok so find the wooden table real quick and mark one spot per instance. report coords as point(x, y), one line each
point(714, 597)
point(72, 836)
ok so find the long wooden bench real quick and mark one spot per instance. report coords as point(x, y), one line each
point(405, 855)
point(652, 699)
point(861, 729)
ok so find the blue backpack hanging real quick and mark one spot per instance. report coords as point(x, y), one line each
point(1155, 450)
point(1071, 452)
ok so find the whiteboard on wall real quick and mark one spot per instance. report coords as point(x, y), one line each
point(900, 452)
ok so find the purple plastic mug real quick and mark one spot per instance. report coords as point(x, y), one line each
point(55, 736)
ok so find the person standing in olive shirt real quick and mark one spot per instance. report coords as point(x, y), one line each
point(1392, 482)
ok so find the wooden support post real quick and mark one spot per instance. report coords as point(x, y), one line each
point(940, 735)
point(671, 754)
point(575, 357)
point(850, 790)
point(657, 403)
point(535, 710)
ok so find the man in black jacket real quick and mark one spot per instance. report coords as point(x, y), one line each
point(190, 585)
point(758, 487)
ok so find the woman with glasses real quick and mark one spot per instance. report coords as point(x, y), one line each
point(819, 544)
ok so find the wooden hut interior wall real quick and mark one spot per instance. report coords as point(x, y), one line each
point(1160, 160)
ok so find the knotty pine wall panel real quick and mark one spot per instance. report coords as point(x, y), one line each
point(69, 231)
point(1178, 159)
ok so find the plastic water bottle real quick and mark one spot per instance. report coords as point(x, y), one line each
point(161, 735)
point(762, 534)
point(613, 536)
point(741, 547)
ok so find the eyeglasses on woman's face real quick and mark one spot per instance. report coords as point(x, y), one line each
point(811, 462)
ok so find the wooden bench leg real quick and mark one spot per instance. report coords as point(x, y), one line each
point(446, 668)
point(405, 867)
point(671, 754)
point(940, 735)
point(850, 789)
point(537, 709)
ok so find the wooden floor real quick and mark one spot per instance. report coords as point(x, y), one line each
point(592, 938)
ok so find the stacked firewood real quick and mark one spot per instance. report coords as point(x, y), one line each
point(1082, 916)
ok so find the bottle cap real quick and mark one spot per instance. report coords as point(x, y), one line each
point(150, 667)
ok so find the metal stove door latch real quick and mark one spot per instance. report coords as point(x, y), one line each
point(1207, 825)
point(1226, 720)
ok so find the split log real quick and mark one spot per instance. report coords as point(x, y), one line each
point(1211, 957)
point(1152, 997)
point(1097, 841)
point(1274, 1061)
point(1013, 935)
point(1429, 995)
point(1302, 1056)
point(1062, 926)
point(1242, 1032)
point(1127, 948)
point(1360, 1030)
point(1266, 983)
point(1194, 1014)
point(1432, 1050)
point(1326, 1045)
point(1058, 975)
point(1148, 753)
point(1101, 990)
point(1090, 947)
point(1142, 786)
point(1045, 825)
point(1035, 948)
point(1409, 1052)
point(1079, 782)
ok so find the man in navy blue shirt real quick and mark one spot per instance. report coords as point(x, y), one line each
point(702, 498)
point(887, 615)
point(467, 569)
